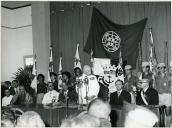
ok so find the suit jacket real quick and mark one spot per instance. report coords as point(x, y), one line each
point(151, 96)
point(124, 96)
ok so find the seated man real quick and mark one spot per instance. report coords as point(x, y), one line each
point(88, 88)
point(22, 97)
point(148, 95)
point(7, 98)
point(117, 98)
point(51, 97)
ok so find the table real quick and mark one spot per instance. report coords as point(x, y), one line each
point(53, 116)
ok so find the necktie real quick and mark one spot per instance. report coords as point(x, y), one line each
point(118, 94)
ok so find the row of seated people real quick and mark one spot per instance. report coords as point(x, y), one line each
point(144, 92)
point(92, 117)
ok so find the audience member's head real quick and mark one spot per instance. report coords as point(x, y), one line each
point(7, 118)
point(77, 72)
point(99, 108)
point(87, 70)
point(140, 118)
point(53, 76)
point(15, 83)
point(85, 120)
point(30, 119)
point(40, 78)
point(50, 86)
point(119, 84)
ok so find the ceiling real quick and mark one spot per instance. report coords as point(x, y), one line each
point(14, 4)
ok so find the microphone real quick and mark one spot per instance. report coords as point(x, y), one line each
point(86, 80)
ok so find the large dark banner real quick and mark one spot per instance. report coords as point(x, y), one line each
point(106, 38)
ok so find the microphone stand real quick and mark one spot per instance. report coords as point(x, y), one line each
point(67, 105)
point(86, 84)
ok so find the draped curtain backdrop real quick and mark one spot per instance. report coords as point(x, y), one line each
point(71, 26)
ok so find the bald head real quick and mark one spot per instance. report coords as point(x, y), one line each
point(87, 69)
point(99, 108)
point(146, 120)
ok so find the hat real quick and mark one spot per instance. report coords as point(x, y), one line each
point(128, 67)
point(147, 118)
point(161, 65)
point(145, 63)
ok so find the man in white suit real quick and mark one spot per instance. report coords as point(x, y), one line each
point(88, 88)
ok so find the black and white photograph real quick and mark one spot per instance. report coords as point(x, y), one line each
point(86, 64)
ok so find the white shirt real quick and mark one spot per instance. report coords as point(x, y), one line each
point(92, 89)
point(50, 97)
point(6, 100)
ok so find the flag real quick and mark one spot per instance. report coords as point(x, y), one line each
point(60, 74)
point(166, 55)
point(105, 38)
point(152, 54)
point(77, 62)
point(34, 72)
point(120, 72)
point(50, 69)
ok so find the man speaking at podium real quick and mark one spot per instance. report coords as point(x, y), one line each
point(88, 87)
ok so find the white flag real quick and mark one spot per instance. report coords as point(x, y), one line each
point(60, 74)
point(152, 56)
point(50, 69)
point(34, 81)
point(77, 62)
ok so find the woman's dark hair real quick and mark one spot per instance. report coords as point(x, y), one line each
point(41, 75)
point(67, 74)
point(76, 69)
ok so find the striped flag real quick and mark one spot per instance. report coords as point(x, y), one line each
point(77, 62)
point(152, 55)
point(34, 72)
point(60, 74)
point(120, 72)
point(50, 69)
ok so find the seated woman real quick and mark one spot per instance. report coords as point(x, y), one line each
point(68, 91)
point(41, 88)
point(22, 97)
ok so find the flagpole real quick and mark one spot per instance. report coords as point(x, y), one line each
point(166, 55)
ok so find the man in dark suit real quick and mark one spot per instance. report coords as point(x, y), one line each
point(117, 98)
point(148, 95)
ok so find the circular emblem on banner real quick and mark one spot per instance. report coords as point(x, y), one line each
point(111, 41)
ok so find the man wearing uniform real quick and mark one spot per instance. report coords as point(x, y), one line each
point(88, 88)
point(130, 82)
point(147, 73)
point(163, 85)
